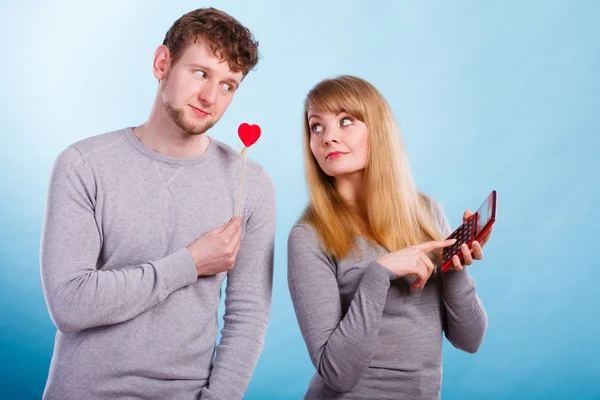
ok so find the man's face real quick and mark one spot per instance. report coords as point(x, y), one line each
point(198, 88)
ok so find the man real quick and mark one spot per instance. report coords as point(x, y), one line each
point(139, 236)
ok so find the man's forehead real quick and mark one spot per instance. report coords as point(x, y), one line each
point(200, 54)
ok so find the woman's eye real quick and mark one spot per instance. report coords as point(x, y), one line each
point(316, 128)
point(345, 121)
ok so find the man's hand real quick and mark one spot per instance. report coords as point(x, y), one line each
point(217, 250)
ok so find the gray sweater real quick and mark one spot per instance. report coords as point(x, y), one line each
point(368, 335)
point(134, 321)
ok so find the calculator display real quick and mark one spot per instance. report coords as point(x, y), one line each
point(484, 214)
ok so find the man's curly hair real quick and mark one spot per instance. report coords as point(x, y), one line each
point(227, 38)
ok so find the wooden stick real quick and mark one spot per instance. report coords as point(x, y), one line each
point(237, 210)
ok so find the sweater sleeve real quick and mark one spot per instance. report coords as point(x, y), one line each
point(79, 295)
point(340, 346)
point(247, 302)
point(466, 320)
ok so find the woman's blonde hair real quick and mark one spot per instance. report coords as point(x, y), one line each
point(394, 215)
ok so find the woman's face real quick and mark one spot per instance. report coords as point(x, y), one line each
point(338, 142)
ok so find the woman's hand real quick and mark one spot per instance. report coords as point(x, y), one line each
point(473, 253)
point(413, 260)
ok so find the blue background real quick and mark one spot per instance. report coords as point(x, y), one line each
point(489, 95)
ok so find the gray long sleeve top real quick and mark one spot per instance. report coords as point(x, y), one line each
point(368, 335)
point(134, 321)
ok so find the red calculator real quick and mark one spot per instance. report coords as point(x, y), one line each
point(472, 229)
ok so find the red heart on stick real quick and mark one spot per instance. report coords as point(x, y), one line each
point(248, 133)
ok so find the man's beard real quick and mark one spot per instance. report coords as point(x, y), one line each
point(178, 116)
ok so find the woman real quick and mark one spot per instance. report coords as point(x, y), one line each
point(363, 267)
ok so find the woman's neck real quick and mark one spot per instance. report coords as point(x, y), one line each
point(351, 188)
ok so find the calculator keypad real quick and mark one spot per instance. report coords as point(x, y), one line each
point(463, 234)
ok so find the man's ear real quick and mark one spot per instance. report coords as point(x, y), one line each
point(162, 62)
